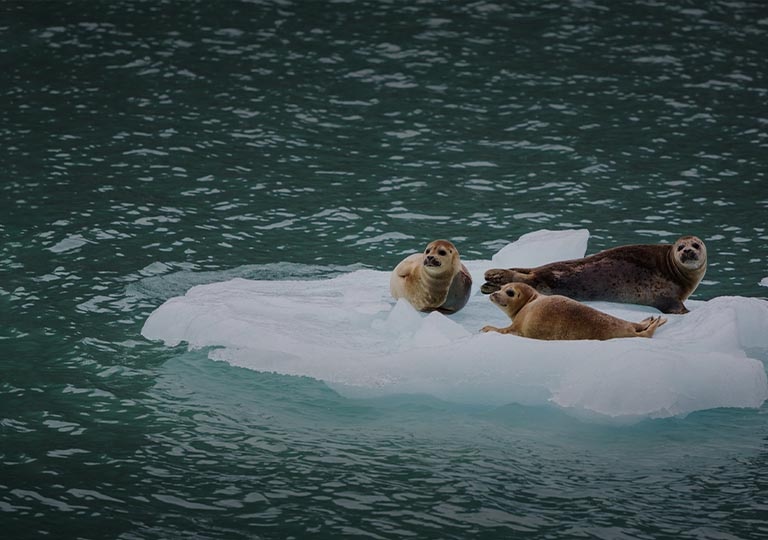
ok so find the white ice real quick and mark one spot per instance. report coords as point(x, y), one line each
point(764, 282)
point(68, 244)
point(348, 332)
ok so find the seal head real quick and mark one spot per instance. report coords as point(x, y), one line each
point(690, 253)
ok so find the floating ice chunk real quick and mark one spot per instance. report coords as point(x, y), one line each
point(542, 247)
point(154, 269)
point(71, 242)
point(764, 282)
point(348, 332)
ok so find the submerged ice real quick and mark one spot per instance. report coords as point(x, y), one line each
point(348, 332)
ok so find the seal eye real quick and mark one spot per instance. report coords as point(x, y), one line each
point(510, 292)
point(680, 248)
point(695, 245)
point(426, 250)
point(443, 253)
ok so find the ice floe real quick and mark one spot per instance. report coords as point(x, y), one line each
point(349, 333)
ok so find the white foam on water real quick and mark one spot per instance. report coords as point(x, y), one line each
point(348, 332)
point(764, 282)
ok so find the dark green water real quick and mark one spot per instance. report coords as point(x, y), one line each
point(200, 141)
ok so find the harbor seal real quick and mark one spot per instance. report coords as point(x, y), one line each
point(658, 275)
point(538, 316)
point(435, 280)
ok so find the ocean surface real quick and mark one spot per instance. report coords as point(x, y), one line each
point(149, 147)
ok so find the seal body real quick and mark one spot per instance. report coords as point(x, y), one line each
point(538, 316)
point(661, 275)
point(435, 280)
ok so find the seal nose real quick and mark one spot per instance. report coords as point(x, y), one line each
point(431, 260)
point(689, 255)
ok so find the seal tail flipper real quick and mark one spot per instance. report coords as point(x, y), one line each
point(647, 327)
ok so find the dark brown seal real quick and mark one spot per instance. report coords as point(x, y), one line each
point(658, 275)
point(539, 316)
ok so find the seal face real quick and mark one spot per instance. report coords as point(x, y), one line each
point(539, 316)
point(658, 275)
point(435, 280)
point(690, 253)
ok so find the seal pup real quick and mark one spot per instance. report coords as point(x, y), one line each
point(435, 280)
point(539, 316)
point(658, 275)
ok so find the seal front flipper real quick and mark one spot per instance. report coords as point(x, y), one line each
point(505, 330)
point(488, 288)
point(496, 277)
point(499, 276)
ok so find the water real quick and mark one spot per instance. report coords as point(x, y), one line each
point(199, 141)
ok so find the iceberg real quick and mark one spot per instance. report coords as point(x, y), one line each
point(542, 247)
point(348, 332)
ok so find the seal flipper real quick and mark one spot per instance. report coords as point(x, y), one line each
point(495, 278)
point(647, 327)
point(501, 276)
point(488, 288)
point(458, 293)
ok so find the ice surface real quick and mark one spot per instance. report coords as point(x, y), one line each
point(348, 332)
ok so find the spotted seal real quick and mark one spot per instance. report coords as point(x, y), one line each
point(658, 275)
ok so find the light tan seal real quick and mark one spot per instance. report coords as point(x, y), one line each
point(658, 275)
point(539, 316)
point(435, 280)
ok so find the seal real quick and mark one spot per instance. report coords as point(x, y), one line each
point(538, 316)
point(435, 280)
point(658, 275)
